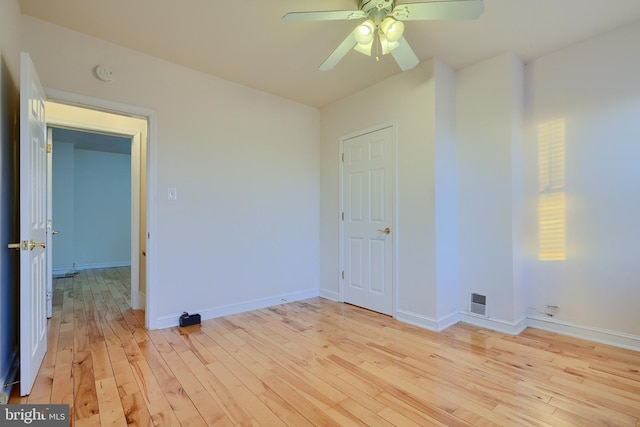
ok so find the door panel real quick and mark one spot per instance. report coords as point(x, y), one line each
point(368, 174)
point(33, 233)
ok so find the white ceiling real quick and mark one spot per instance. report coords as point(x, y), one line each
point(245, 41)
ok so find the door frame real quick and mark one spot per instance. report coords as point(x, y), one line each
point(341, 190)
point(100, 105)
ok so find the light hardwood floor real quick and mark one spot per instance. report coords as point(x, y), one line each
point(318, 362)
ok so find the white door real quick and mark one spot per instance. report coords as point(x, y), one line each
point(368, 189)
point(33, 231)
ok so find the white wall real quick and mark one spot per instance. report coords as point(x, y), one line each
point(408, 101)
point(595, 88)
point(446, 197)
point(244, 230)
point(91, 208)
point(103, 209)
point(489, 123)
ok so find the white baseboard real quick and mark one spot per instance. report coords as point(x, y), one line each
point(212, 313)
point(499, 325)
point(138, 300)
point(604, 336)
point(103, 265)
point(429, 323)
point(618, 339)
point(330, 295)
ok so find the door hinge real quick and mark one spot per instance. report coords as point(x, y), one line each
point(342, 157)
point(343, 216)
point(49, 149)
point(343, 274)
point(49, 296)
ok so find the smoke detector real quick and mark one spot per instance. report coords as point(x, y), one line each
point(104, 73)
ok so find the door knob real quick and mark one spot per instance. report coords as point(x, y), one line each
point(385, 231)
point(53, 233)
point(33, 244)
point(26, 246)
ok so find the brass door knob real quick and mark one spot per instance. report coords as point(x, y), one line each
point(33, 244)
point(26, 246)
point(385, 231)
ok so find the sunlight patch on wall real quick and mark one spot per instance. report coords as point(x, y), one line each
point(551, 185)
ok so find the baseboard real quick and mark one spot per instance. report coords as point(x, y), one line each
point(499, 325)
point(429, 323)
point(62, 271)
point(212, 313)
point(617, 339)
point(330, 295)
point(9, 377)
point(604, 336)
point(138, 300)
point(113, 264)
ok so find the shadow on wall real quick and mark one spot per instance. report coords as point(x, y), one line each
point(9, 221)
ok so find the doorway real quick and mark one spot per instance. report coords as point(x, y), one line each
point(115, 131)
point(91, 201)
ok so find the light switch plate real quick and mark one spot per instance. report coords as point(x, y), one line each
point(172, 193)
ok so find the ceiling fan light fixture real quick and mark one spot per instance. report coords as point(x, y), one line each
point(386, 45)
point(364, 48)
point(364, 32)
point(391, 29)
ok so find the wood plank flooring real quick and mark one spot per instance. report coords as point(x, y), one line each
point(317, 362)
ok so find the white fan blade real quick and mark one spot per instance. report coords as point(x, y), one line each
point(335, 57)
point(330, 15)
point(404, 56)
point(435, 10)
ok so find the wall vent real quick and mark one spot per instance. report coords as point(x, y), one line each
point(478, 305)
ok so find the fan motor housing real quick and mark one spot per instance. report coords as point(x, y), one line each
point(381, 5)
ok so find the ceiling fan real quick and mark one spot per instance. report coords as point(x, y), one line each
point(383, 26)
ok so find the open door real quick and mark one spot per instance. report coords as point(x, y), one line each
point(33, 224)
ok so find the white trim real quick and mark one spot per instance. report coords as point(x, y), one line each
point(94, 265)
point(599, 335)
point(96, 103)
point(136, 304)
point(141, 297)
point(604, 336)
point(436, 325)
point(212, 313)
point(499, 325)
point(330, 295)
point(128, 110)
